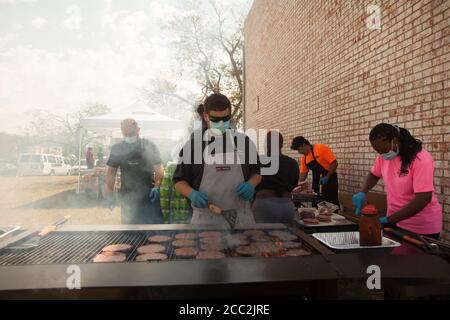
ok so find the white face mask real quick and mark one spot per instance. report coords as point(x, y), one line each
point(130, 140)
point(391, 154)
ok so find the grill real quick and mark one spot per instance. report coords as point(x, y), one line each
point(73, 247)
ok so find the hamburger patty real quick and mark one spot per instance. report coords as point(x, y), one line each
point(151, 257)
point(237, 243)
point(210, 240)
point(260, 238)
point(188, 252)
point(254, 233)
point(291, 245)
point(183, 243)
point(324, 218)
point(151, 248)
point(268, 248)
point(311, 221)
point(247, 251)
point(117, 248)
point(212, 247)
point(297, 253)
point(110, 257)
point(186, 236)
point(283, 235)
point(206, 255)
point(159, 239)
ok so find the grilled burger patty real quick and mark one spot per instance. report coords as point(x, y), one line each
point(260, 238)
point(117, 248)
point(237, 243)
point(151, 248)
point(206, 255)
point(324, 218)
point(311, 221)
point(291, 245)
point(254, 233)
point(247, 251)
point(283, 235)
point(212, 247)
point(210, 240)
point(183, 243)
point(110, 256)
point(186, 236)
point(151, 257)
point(268, 248)
point(159, 239)
point(187, 252)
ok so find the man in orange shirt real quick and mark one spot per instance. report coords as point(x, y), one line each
point(322, 162)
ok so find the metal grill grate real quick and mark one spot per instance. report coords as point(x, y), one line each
point(67, 247)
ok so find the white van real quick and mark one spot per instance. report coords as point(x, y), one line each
point(42, 164)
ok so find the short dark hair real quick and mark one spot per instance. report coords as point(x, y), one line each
point(298, 142)
point(200, 110)
point(216, 102)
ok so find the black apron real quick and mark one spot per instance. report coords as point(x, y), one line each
point(329, 191)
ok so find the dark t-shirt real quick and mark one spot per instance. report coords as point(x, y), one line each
point(136, 163)
point(285, 180)
point(192, 172)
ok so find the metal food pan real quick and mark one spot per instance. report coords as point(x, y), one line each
point(350, 241)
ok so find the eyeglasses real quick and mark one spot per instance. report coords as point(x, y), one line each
point(218, 119)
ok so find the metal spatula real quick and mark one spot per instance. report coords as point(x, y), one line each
point(229, 215)
point(34, 242)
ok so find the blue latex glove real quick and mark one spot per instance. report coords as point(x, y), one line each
point(384, 220)
point(110, 203)
point(324, 180)
point(198, 199)
point(245, 190)
point(154, 195)
point(358, 201)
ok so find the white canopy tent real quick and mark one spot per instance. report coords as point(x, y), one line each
point(157, 127)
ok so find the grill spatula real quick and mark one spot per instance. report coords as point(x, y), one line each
point(34, 242)
point(229, 215)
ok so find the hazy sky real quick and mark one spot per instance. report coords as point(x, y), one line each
point(60, 54)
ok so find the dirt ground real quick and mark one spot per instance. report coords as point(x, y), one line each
point(37, 201)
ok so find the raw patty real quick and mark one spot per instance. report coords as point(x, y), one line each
point(188, 252)
point(186, 236)
point(159, 239)
point(211, 240)
point(117, 248)
point(151, 257)
point(206, 255)
point(183, 243)
point(151, 248)
point(297, 253)
point(110, 257)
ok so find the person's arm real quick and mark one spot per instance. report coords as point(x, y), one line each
point(184, 188)
point(332, 169)
point(421, 200)
point(302, 177)
point(255, 180)
point(159, 174)
point(110, 181)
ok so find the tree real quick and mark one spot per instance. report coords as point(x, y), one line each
point(209, 46)
point(65, 129)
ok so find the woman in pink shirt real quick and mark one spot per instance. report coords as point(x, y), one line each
point(408, 172)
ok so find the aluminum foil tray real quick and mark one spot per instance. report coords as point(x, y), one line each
point(350, 241)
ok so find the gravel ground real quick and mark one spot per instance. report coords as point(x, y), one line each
point(36, 201)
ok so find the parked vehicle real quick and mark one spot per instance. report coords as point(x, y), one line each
point(42, 164)
point(79, 165)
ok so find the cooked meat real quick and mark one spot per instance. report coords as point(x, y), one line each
point(297, 253)
point(188, 252)
point(117, 248)
point(214, 209)
point(283, 235)
point(268, 248)
point(152, 257)
point(236, 236)
point(159, 239)
point(254, 233)
point(183, 243)
point(247, 251)
point(210, 234)
point(311, 221)
point(260, 238)
point(307, 213)
point(327, 208)
point(324, 218)
point(186, 236)
point(110, 256)
point(206, 255)
point(210, 240)
point(291, 245)
point(212, 247)
point(151, 248)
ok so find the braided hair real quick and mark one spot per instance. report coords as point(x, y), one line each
point(409, 146)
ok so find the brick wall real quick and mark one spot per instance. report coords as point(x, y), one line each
point(314, 68)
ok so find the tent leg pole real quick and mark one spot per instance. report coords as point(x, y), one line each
point(79, 163)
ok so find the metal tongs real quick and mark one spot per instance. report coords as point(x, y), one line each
point(229, 215)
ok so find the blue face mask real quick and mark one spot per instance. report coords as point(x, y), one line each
point(221, 126)
point(130, 140)
point(391, 154)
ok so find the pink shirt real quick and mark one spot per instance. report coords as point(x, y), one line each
point(401, 190)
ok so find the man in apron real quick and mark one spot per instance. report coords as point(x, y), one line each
point(215, 168)
point(141, 172)
point(322, 162)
